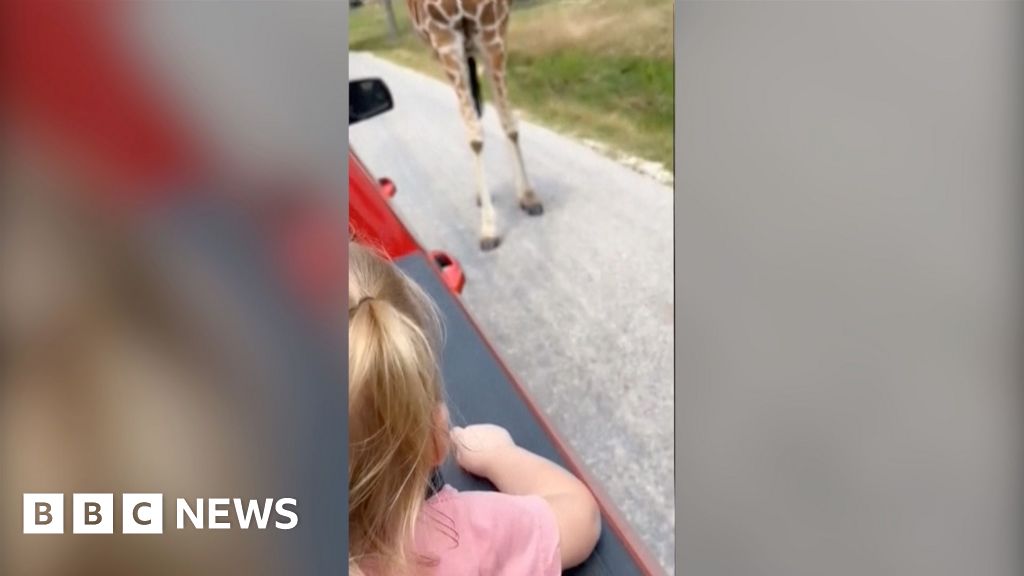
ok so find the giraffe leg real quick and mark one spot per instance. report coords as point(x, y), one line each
point(494, 60)
point(453, 57)
point(489, 238)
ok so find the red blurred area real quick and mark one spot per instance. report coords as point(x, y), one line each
point(69, 82)
point(76, 89)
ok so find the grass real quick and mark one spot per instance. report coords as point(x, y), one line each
point(597, 69)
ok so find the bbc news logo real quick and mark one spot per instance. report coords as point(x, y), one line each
point(144, 513)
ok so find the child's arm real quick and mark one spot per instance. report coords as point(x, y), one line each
point(489, 451)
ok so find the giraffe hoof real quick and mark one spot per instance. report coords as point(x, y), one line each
point(533, 208)
point(488, 243)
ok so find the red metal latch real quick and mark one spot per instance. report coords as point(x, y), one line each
point(451, 271)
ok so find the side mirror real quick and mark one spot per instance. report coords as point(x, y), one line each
point(368, 98)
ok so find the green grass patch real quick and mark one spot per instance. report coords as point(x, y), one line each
point(592, 69)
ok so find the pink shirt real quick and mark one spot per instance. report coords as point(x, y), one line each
point(489, 533)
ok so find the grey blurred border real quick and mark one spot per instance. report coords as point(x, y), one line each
point(848, 287)
point(307, 455)
point(329, 546)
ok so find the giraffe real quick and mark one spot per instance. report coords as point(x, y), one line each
point(459, 31)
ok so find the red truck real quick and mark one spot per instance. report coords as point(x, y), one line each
point(480, 385)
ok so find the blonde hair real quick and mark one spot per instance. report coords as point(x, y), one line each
point(394, 392)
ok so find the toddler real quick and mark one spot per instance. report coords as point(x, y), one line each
point(541, 521)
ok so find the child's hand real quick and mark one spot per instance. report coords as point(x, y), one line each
point(487, 450)
point(478, 446)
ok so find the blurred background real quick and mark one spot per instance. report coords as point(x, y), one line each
point(848, 331)
point(171, 276)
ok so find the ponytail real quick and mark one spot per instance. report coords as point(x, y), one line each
point(394, 392)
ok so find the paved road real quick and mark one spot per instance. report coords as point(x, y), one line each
point(578, 301)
